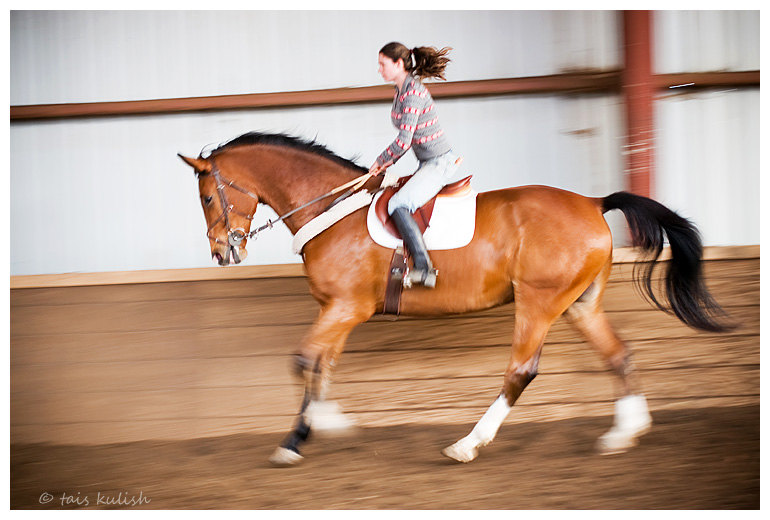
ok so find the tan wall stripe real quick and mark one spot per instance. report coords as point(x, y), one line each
point(621, 255)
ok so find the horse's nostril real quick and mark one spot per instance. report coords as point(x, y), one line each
point(217, 257)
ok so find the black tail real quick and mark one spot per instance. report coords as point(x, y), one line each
point(686, 292)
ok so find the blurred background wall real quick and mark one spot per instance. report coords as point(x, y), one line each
point(95, 194)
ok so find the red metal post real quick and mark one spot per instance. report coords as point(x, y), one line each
point(639, 91)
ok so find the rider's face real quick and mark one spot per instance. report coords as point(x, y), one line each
point(388, 69)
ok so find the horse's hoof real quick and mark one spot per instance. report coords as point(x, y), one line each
point(460, 453)
point(283, 457)
point(617, 441)
point(613, 445)
point(632, 420)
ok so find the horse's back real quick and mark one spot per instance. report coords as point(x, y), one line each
point(548, 227)
point(547, 206)
point(539, 195)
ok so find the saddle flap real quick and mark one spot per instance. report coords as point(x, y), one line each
point(423, 215)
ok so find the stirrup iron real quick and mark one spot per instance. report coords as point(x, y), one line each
point(418, 277)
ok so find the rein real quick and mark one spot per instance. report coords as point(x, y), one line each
point(358, 181)
point(238, 235)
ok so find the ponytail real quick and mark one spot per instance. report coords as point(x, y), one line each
point(423, 62)
point(430, 62)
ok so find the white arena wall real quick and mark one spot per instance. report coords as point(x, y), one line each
point(109, 194)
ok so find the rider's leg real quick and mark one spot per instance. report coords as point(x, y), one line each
point(427, 181)
point(423, 272)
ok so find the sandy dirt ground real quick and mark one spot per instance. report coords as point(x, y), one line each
point(706, 458)
point(98, 371)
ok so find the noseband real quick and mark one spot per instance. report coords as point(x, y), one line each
point(237, 235)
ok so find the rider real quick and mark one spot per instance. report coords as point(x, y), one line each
point(414, 115)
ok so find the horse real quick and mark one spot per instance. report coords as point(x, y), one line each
point(548, 250)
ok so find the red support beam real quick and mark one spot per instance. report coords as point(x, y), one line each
point(638, 87)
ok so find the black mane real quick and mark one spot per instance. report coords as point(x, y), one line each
point(252, 138)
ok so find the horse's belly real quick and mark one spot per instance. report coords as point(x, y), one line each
point(453, 296)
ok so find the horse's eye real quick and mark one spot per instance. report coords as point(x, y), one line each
point(207, 200)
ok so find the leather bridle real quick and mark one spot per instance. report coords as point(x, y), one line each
point(234, 236)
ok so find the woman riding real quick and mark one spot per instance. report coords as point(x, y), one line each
point(414, 115)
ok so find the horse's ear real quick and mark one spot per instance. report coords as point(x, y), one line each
point(200, 165)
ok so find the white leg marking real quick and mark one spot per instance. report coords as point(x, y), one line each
point(632, 419)
point(467, 448)
point(327, 417)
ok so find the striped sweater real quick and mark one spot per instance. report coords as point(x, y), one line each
point(414, 116)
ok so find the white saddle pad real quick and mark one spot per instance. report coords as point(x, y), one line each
point(452, 225)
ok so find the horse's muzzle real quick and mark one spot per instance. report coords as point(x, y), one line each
point(230, 255)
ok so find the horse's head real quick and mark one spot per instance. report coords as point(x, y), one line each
point(228, 208)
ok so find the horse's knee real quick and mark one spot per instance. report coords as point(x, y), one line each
point(302, 364)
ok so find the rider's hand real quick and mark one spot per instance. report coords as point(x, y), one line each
point(377, 169)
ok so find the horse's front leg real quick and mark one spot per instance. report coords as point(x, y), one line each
point(314, 363)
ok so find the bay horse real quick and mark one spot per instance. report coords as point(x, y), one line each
point(546, 249)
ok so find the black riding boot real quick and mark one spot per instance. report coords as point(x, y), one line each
point(423, 272)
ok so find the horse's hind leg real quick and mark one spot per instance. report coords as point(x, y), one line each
point(632, 417)
point(534, 317)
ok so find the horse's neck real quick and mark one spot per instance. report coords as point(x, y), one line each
point(287, 179)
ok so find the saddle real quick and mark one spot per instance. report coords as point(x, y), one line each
point(399, 266)
point(424, 214)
